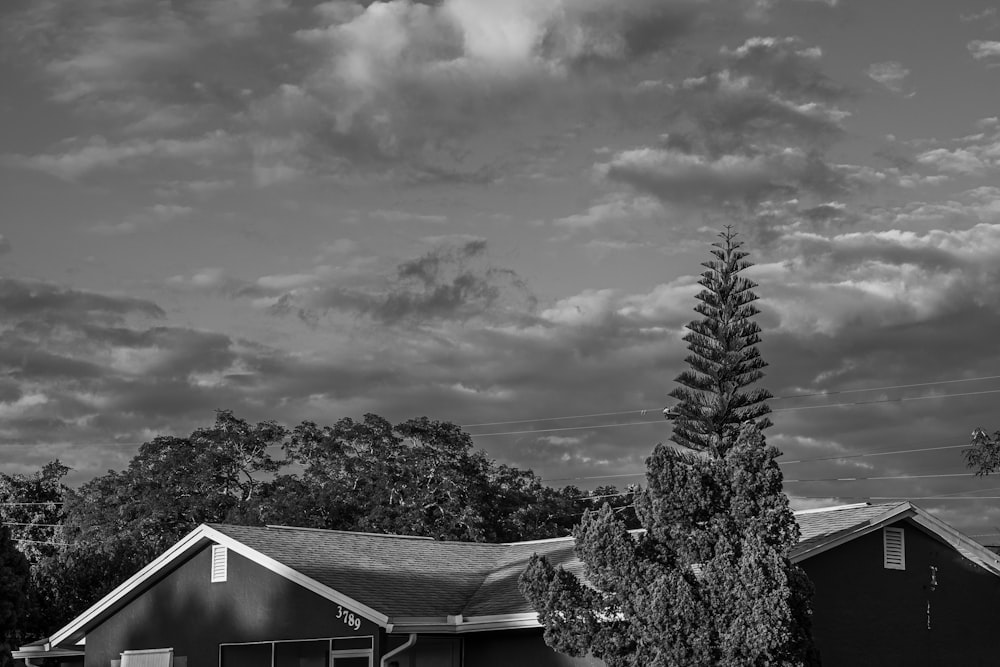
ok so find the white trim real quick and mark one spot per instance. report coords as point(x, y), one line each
point(817, 510)
point(291, 574)
point(193, 540)
point(179, 549)
point(900, 511)
point(962, 543)
point(447, 625)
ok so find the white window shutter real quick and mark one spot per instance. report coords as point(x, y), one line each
point(220, 564)
point(894, 548)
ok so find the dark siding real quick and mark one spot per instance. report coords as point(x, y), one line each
point(524, 648)
point(867, 615)
point(185, 612)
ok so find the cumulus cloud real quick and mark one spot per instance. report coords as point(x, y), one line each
point(890, 74)
point(977, 153)
point(82, 157)
point(984, 49)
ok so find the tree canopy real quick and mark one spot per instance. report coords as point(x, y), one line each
point(708, 581)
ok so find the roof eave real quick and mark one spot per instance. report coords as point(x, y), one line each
point(460, 624)
point(900, 511)
point(76, 629)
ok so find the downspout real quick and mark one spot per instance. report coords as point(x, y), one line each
point(399, 649)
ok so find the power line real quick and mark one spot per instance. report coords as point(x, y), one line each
point(859, 455)
point(54, 544)
point(882, 478)
point(794, 409)
point(54, 502)
point(773, 398)
point(42, 525)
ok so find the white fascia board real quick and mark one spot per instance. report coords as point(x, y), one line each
point(965, 545)
point(72, 630)
point(196, 538)
point(294, 575)
point(898, 512)
point(417, 624)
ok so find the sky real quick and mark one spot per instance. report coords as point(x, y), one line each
point(495, 213)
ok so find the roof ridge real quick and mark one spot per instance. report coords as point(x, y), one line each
point(344, 532)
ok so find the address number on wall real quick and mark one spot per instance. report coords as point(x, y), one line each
point(349, 619)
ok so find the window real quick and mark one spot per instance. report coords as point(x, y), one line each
point(336, 652)
point(302, 654)
point(157, 657)
point(220, 564)
point(894, 548)
point(246, 655)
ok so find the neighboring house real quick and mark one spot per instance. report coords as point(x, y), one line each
point(894, 586)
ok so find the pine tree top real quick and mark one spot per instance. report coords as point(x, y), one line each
point(713, 397)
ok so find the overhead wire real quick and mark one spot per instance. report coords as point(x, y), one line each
point(902, 399)
point(858, 455)
point(773, 398)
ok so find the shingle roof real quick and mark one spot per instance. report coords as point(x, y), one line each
point(411, 577)
point(825, 525)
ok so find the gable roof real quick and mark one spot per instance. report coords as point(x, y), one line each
point(410, 584)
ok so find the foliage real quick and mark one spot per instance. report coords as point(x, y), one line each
point(14, 573)
point(173, 484)
point(724, 360)
point(708, 581)
point(983, 455)
point(419, 477)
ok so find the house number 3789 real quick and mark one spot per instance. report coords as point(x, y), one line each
point(349, 619)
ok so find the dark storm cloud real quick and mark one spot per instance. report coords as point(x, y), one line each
point(451, 282)
point(57, 304)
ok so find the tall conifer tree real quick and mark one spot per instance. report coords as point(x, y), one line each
point(709, 581)
point(713, 399)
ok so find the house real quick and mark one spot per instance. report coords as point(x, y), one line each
point(894, 586)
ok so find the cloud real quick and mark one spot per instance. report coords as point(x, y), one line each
point(389, 215)
point(973, 154)
point(613, 210)
point(5, 246)
point(152, 216)
point(890, 74)
point(83, 157)
point(451, 282)
point(56, 305)
point(983, 49)
point(399, 89)
point(676, 176)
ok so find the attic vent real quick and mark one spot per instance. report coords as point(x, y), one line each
point(893, 549)
point(219, 563)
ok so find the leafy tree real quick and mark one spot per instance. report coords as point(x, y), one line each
point(173, 484)
point(708, 581)
point(419, 477)
point(713, 401)
point(31, 506)
point(14, 573)
point(983, 455)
